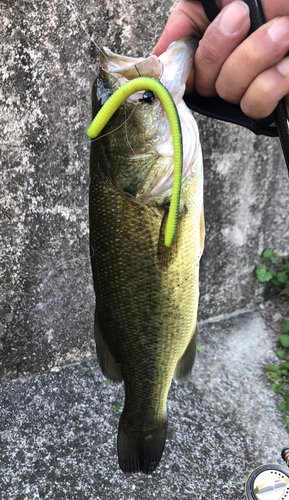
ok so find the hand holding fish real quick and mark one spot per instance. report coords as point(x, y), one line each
point(252, 71)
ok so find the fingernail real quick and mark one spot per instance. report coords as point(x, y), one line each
point(283, 67)
point(279, 30)
point(234, 17)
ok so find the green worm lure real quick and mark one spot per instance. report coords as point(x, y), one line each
point(110, 107)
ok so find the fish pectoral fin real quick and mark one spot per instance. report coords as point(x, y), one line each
point(139, 451)
point(202, 231)
point(186, 362)
point(108, 364)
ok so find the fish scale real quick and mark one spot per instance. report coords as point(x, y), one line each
point(146, 293)
point(148, 307)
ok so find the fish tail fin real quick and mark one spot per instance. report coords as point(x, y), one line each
point(140, 451)
point(186, 362)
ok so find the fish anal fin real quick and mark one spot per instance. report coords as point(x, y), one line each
point(186, 362)
point(108, 364)
point(139, 451)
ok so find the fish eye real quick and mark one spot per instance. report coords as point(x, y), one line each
point(105, 97)
point(148, 96)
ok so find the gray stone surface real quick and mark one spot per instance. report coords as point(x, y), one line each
point(58, 430)
point(46, 309)
point(246, 197)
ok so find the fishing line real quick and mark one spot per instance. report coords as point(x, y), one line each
point(162, 72)
point(137, 70)
point(87, 142)
point(125, 127)
point(101, 137)
point(114, 130)
point(58, 266)
point(86, 189)
point(97, 46)
point(83, 27)
point(110, 107)
point(170, 108)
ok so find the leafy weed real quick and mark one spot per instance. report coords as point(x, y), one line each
point(279, 276)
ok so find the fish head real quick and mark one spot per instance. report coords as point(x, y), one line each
point(135, 149)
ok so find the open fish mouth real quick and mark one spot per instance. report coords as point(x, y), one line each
point(128, 68)
point(172, 68)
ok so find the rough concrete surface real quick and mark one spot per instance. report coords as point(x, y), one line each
point(46, 287)
point(47, 298)
point(58, 430)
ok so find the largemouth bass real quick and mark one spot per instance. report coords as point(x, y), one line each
point(146, 293)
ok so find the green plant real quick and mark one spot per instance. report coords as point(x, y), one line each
point(278, 277)
point(281, 373)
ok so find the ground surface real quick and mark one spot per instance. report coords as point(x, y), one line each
point(58, 429)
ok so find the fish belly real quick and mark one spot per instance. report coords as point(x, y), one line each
point(146, 308)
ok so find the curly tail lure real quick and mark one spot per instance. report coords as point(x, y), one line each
point(110, 107)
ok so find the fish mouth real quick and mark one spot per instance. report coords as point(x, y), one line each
point(172, 68)
point(128, 68)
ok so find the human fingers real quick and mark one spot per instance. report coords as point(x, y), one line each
point(275, 8)
point(271, 8)
point(188, 18)
point(222, 36)
point(266, 90)
point(262, 50)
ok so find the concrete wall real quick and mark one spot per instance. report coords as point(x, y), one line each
point(47, 298)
